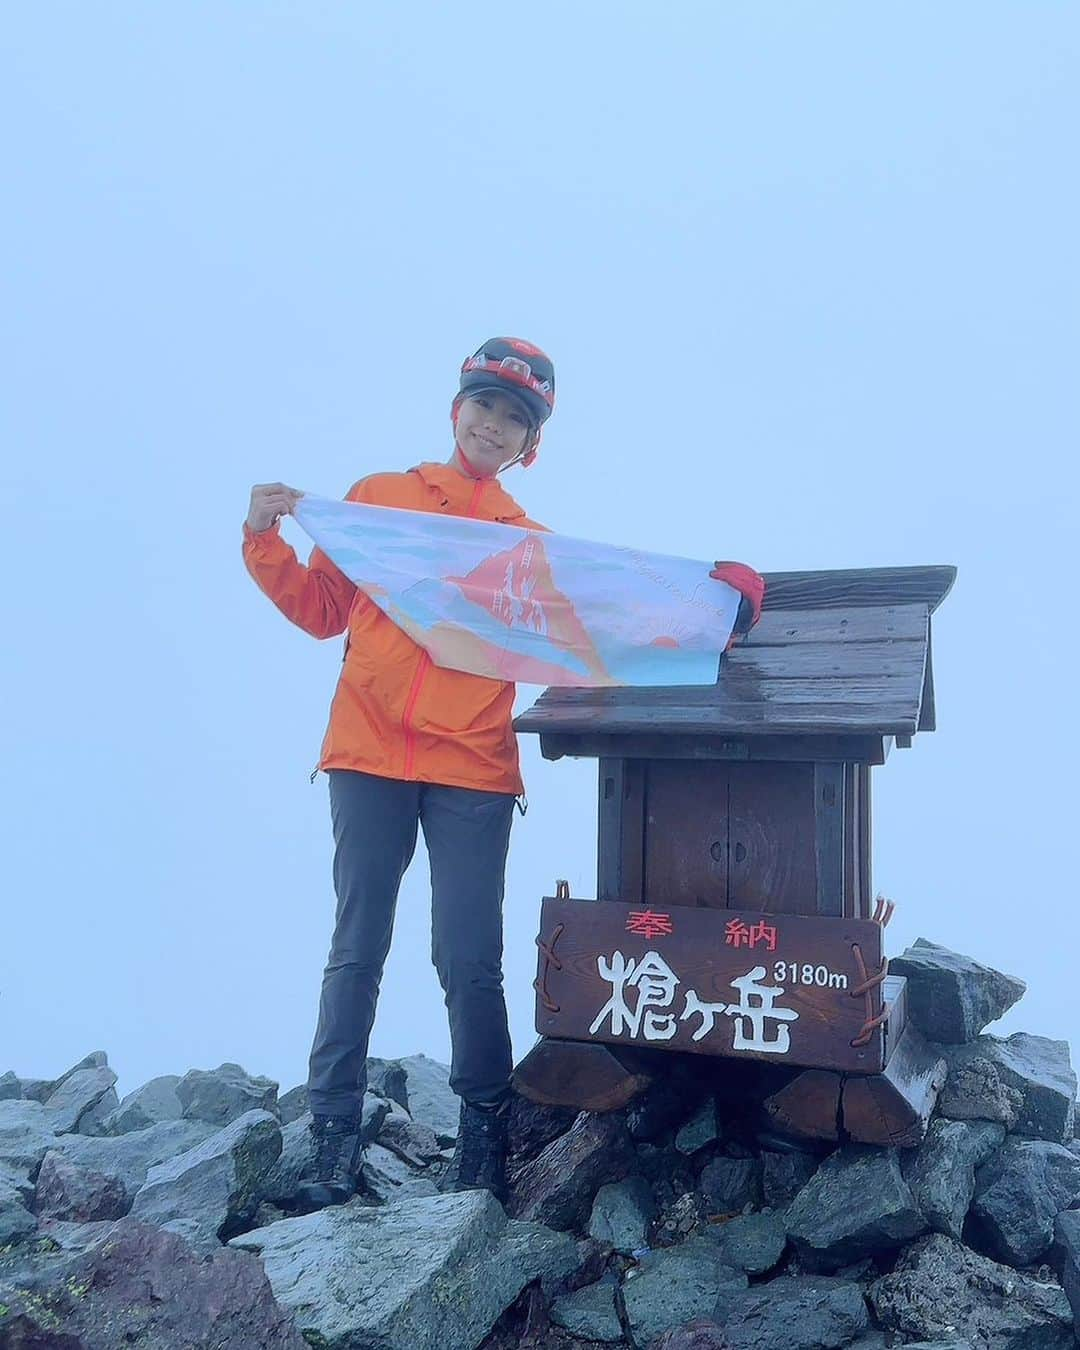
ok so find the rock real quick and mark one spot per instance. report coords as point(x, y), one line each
point(1018, 1194)
point(409, 1139)
point(796, 1314)
point(10, 1087)
point(293, 1105)
point(940, 1289)
point(428, 1274)
point(856, 1204)
point(751, 1242)
point(951, 998)
point(280, 1184)
point(976, 1090)
point(66, 1191)
point(220, 1096)
point(666, 1104)
point(430, 1100)
point(701, 1129)
point(532, 1127)
point(589, 1313)
point(76, 1095)
point(26, 1135)
point(941, 1172)
point(92, 1122)
point(16, 1221)
point(1067, 1258)
point(1026, 1082)
point(783, 1175)
point(678, 1284)
point(147, 1105)
point(131, 1156)
point(728, 1185)
point(215, 1186)
point(136, 1285)
point(950, 1344)
point(373, 1114)
point(700, 1334)
point(387, 1078)
point(558, 1186)
point(668, 1172)
point(621, 1213)
point(388, 1180)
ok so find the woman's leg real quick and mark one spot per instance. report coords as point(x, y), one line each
point(375, 822)
point(467, 834)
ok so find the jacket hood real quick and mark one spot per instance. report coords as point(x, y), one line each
point(457, 490)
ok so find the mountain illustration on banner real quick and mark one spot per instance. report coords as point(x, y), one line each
point(525, 605)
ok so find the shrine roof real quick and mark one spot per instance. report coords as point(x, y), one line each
point(835, 654)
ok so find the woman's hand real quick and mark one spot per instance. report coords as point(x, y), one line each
point(269, 502)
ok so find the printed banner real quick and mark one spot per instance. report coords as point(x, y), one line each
point(525, 605)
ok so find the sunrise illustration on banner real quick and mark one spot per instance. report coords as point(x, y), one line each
point(528, 606)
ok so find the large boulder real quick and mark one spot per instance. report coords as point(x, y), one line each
point(621, 1214)
point(751, 1242)
point(215, 1186)
point(16, 1221)
point(1067, 1258)
point(81, 1100)
point(558, 1186)
point(940, 1289)
point(147, 1105)
point(702, 1333)
point(67, 1191)
point(783, 1175)
point(10, 1087)
point(856, 1204)
point(702, 1129)
point(941, 1172)
point(135, 1285)
point(590, 1313)
point(219, 1096)
point(676, 1285)
point(130, 1157)
point(388, 1078)
point(532, 1127)
point(428, 1274)
point(388, 1179)
point(797, 1314)
point(430, 1100)
point(1019, 1193)
point(411, 1140)
point(951, 998)
point(730, 1185)
point(26, 1135)
point(1026, 1082)
point(293, 1104)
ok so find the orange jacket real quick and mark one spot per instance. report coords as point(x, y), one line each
point(395, 713)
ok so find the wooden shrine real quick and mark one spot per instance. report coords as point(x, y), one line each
point(734, 914)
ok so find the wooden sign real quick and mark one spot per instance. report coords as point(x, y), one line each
point(787, 988)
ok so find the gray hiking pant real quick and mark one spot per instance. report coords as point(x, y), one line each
point(467, 834)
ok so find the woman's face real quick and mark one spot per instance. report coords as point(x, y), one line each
point(491, 430)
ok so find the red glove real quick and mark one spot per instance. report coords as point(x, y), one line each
point(750, 585)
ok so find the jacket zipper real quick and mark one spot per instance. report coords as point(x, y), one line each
point(422, 669)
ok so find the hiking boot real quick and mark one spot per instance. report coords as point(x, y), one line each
point(481, 1149)
point(334, 1176)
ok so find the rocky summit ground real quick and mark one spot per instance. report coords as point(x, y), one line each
point(684, 1222)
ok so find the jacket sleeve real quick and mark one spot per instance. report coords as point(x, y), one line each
point(318, 597)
